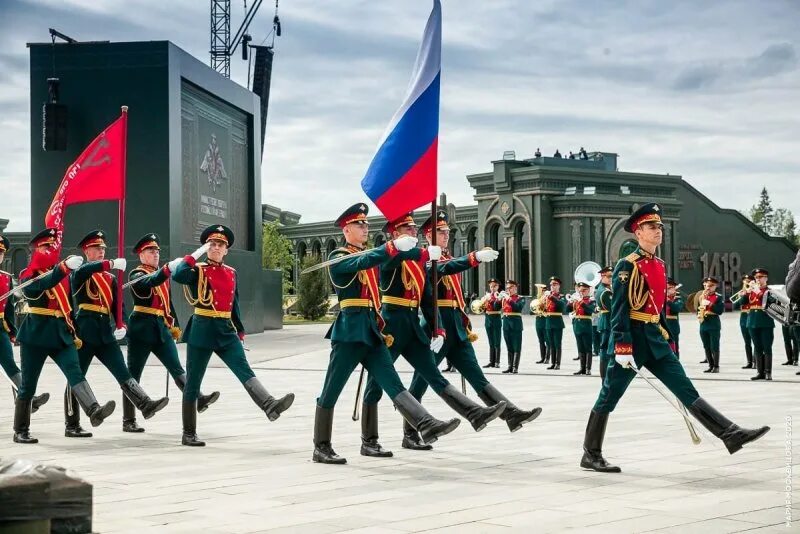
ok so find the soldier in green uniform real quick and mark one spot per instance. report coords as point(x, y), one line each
point(602, 296)
point(711, 307)
point(404, 286)
point(555, 305)
point(458, 328)
point(48, 329)
point(641, 338)
point(674, 308)
point(8, 330)
point(540, 323)
point(94, 292)
point(741, 302)
point(216, 327)
point(357, 335)
point(493, 322)
point(512, 325)
point(582, 309)
point(761, 325)
point(153, 325)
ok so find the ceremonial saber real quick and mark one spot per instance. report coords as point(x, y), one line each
point(23, 285)
point(357, 407)
point(463, 384)
point(334, 261)
point(692, 430)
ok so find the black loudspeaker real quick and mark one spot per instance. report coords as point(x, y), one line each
point(54, 127)
point(262, 77)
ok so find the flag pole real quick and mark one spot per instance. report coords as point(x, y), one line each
point(434, 271)
point(121, 222)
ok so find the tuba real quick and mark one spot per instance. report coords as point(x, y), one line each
point(588, 272)
point(477, 306)
point(537, 305)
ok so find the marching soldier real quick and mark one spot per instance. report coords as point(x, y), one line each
point(761, 325)
point(216, 327)
point(8, 330)
point(582, 309)
point(711, 307)
point(357, 337)
point(674, 306)
point(554, 308)
point(602, 296)
point(48, 330)
point(153, 325)
point(741, 302)
point(404, 286)
point(493, 322)
point(94, 293)
point(512, 326)
point(641, 338)
point(458, 328)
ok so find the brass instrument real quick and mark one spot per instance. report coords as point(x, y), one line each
point(701, 308)
point(537, 304)
point(478, 306)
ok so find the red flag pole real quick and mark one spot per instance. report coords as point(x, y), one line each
point(121, 223)
point(434, 272)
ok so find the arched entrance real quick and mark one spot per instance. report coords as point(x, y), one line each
point(522, 256)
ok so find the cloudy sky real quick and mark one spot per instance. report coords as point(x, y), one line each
point(707, 89)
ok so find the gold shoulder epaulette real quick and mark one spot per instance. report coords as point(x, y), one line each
point(632, 257)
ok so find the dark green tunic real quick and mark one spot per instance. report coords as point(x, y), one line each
point(512, 324)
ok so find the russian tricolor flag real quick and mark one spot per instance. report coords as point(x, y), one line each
point(403, 173)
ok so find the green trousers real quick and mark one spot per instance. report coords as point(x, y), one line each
point(345, 356)
point(541, 334)
point(421, 359)
point(109, 355)
point(7, 355)
point(762, 340)
point(197, 359)
point(462, 356)
point(494, 330)
point(667, 369)
point(33, 357)
point(597, 337)
point(513, 339)
point(584, 342)
point(710, 339)
point(166, 352)
point(554, 336)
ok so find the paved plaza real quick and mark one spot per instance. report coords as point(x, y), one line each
point(256, 476)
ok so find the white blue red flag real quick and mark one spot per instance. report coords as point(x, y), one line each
point(403, 173)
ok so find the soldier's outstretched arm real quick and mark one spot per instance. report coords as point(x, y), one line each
point(151, 280)
point(85, 271)
point(51, 280)
point(186, 272)
point(373, 257)
point(236, 315)
point(457, 265)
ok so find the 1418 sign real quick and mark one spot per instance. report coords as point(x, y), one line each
point(723, 266)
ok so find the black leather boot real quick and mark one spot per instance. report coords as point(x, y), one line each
point(412, 439)
point(91, 407)
point(759, 361)
point(129, 417)
point(716, 362)
point(593, 445)
point(551, 357)
point(477, 415)
point(513, 416)
point(510, 363)
point(430, 429)
point(189, 414)
point(323, 428)
point(768, 366)
point(142, 400)
point(710, 358)
point(369, 433)
point(72, 417)
point(272, 407)
point(22, 422)
point(491, 359)
point(203, 401)
point(497, 357)
point(38, 400)
point(558, 358)
point(542, 352)
point(748, 349)
point(582, 370)
point(707, 351)
point(589, 364)
point(731, 435)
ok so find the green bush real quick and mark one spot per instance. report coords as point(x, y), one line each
point(312, 293)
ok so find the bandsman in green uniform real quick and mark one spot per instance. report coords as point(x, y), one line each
point(493, 322)
point(602, 296)
point(357, 334)
point(641, 338)
point(458, 328)
point(582, 309)
point(48, 329)
point(761, 325)
point(555, 305)
point(711, 306)
point(674, 308)
point(153, 325)
point(215, 327)
point(540, 324)
point(404, 286)
point(94, 292)
point(512, 325)
point(741, 302)
point(8, 330)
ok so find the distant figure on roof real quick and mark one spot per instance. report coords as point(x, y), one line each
point(537, 154)
point(557, 154)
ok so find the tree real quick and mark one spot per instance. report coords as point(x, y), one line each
point(312, 291)
point(790, 232)
point(276, 253)
point(762, 213)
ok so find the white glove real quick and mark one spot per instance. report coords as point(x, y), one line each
point(174, 264)
point(547, 294)
point(625, 360)
point(705, 302)
point(119, 333)
point(200, 251)
point(405, 243)
point(119, 263)
point(503, 295)
point(435, 252)
point(486, 255)
point(437, 343)
point(73, 262)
